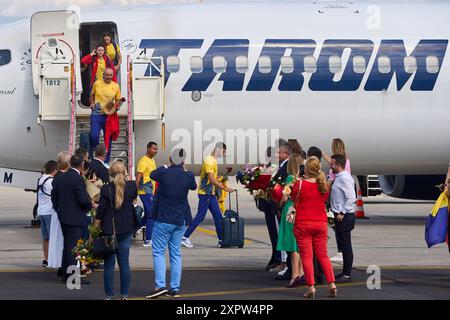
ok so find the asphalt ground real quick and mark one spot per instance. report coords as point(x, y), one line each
point(396, 283)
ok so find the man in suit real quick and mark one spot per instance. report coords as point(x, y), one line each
point(172, 216)
point(97, 165)
point(71, 202)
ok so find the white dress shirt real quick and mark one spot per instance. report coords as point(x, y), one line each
point(343, 193)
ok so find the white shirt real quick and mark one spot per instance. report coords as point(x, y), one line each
point(343, 195)
point(76, 171)
point(282, 164)
point(45, 206)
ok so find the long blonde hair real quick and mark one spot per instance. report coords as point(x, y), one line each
point(338, 147)
point(294, 162)
point(312, 169)
point(118, 173)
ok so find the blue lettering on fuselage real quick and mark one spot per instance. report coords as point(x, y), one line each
point(323, 79)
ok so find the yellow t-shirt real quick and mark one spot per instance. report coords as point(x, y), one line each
point(146, 167)
point(209, 166)
point(111, 52)
point(105, 92)
point(101, 66)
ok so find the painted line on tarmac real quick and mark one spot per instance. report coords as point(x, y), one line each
point(243, 268)
point(209, 232)
point(279, 289)
point(259, 290)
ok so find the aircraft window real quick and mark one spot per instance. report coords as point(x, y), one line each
point(287, 64)
point(196, 64)
point(432, 63)
point(219, 64)
point(5, 57)
point(241, 64)
point(264, 64)
point(384, 64)
point(359, 64)
point(173, 64)
point(310, 64)
point(335, 64)
point(410, 64)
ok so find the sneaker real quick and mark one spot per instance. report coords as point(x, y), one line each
point(282, 272)
point(173, 294)
point(44, 264)
point(337, 258)
point(147, 243)
point(158, 292)
point(278, 268)
point(108, 298)
point(219, 244)
point(342, 278)
point(187, 243)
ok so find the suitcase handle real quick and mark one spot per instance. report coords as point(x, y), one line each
point(229, 201)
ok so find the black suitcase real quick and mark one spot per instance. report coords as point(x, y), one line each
point(233, 227)
point(85, 141)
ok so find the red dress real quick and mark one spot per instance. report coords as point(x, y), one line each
point(311, 229)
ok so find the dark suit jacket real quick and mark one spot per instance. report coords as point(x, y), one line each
point(70, 199)
point(172, 196)
point(99, 169)
point(124, 218)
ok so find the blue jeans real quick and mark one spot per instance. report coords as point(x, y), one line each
point(147, 201)
point(206, 202)
point(98, 122)
point(46, 221)
point(165, 234)
point(124, 243)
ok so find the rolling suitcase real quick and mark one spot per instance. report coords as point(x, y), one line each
point(233, 227)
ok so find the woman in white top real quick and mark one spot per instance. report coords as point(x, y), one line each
point(337, 147)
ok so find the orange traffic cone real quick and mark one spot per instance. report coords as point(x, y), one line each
point(360, 207)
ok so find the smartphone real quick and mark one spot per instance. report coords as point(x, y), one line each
point(302, 170)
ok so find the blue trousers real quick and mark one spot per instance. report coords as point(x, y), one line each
point(206, 202)
point(147, 201)
point(124, 243)
point(98, 122)
point(165, 234)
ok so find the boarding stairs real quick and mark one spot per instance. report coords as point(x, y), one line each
point(57, 84)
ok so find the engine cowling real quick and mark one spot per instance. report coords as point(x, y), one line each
point(416, 187)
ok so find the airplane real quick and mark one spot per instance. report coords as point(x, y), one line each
point(375, 74)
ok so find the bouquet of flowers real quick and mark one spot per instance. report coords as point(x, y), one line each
point(83, 249)
point(255, 178)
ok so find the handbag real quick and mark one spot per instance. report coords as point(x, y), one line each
point(104, 246)
point(290, 217)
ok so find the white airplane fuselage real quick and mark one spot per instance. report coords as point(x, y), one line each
point(392, 123)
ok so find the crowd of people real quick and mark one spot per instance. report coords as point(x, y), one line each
point(297, 219)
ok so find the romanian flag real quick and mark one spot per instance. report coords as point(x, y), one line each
point(437, 222)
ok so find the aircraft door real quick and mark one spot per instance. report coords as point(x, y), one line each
point(55, 62)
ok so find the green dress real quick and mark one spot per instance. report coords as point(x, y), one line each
point(286, 237)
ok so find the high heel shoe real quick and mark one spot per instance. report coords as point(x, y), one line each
point(310, 294)
point(332, 292)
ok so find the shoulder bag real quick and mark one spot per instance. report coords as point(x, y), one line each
point(290, 217)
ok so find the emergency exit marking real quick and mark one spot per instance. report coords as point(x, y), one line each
point(53, 82)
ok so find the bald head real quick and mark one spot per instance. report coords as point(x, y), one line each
point(108, 75)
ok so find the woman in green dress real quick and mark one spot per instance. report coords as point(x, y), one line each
point(286, 239)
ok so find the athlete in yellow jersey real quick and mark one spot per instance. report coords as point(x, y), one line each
point(146, 188)
point(206, 194)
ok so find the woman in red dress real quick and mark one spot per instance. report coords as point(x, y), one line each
point(311, 225)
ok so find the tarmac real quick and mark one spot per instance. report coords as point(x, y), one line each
point(390, 243)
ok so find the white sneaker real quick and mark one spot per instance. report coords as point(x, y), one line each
point(282, 272)
point(187, 243)
point(148, 243)
point(337, 258)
